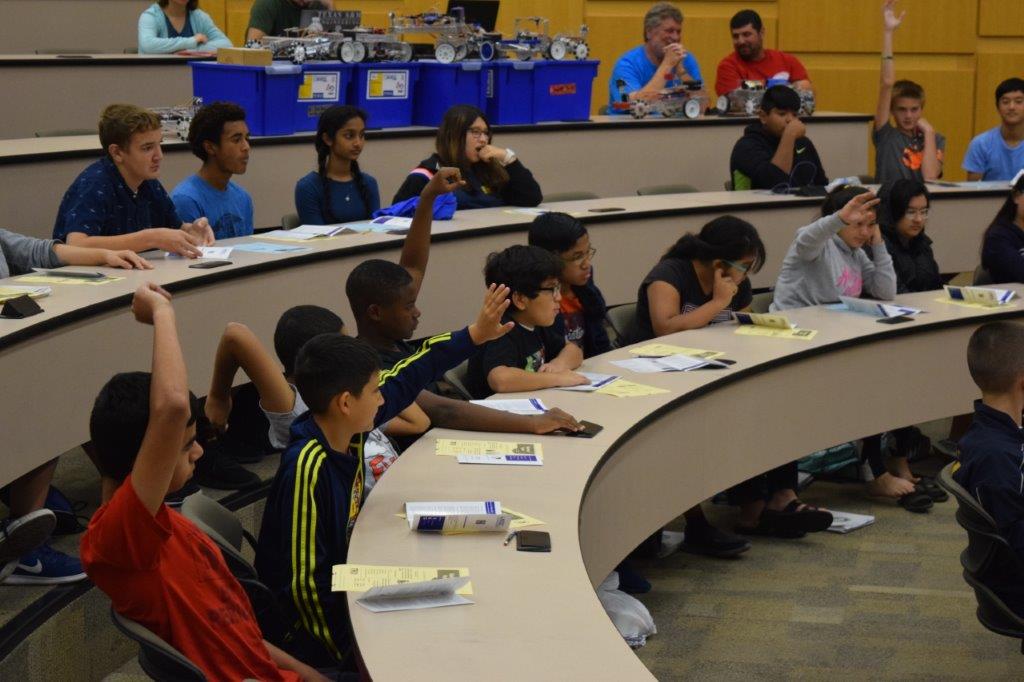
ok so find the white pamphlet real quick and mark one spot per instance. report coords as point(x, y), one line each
point(517, 460)
point(875, 308)
point(844, 522)
point(461, 517)
point(428, 594)
point(596, 382)
point(515, 405)
point(980, 295)
point(669, 363)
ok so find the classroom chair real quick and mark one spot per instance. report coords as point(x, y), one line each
point(981, 276)
point(158, 659)
point(569, 196)
point(621, 319)
point(666, 189)
point(289, 221)
point(456, 376)
point(728, 185)
point(986, 549)
point(222, 526)
point(761, 301)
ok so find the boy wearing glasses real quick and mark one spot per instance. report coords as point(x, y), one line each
point(582, 307)
point(533, 355)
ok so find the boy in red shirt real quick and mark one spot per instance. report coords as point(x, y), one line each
point(751, 61)
point(156, 566)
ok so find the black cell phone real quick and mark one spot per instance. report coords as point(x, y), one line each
point(590, 429)
point(210, 264)
point(533, 541)
point(609, 209)
point(899, 319)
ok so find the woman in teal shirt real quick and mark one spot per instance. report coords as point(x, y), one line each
point(174, 25)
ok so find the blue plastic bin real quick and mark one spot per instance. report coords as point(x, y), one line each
point(543, 90)
point(442, 86)
point(323, 85)
point(267, 93)
point(386, 90)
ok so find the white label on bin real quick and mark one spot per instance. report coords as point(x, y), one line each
point(319, 87)
point(387, 84)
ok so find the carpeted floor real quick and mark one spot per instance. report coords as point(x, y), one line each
point(884, 602)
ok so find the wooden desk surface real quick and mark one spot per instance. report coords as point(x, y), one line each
point(536, 616)
point(86, 332)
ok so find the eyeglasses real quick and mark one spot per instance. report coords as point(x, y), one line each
point(917, 213)
point(581, 257)
point(737, 266)
point(479, 132)
point(555, 291)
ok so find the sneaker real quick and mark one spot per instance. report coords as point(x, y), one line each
point(714, 542)
point(19, 536)
point(216, 469)
point(46, 566)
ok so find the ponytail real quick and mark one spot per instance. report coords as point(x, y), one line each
point(724, 238)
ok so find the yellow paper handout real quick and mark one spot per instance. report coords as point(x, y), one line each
point(976, 306)
point(451, 447)
point(662, 350)
point(628, 389)
point(753, 330)
point(361, 577)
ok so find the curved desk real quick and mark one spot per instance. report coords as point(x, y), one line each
point(59, 359)
point(536, 616)
point(610, 156)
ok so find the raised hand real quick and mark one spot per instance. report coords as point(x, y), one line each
point(148, 299)
point(445, 180)
point(890, 21)
point(858, 208)
point(488, 325)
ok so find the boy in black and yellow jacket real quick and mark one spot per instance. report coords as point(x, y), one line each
point(318, 490)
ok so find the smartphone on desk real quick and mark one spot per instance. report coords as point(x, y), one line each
point(533, 541)
point(590, 429)
point(210, 264)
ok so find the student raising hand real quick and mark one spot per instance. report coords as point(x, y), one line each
point(488, 325)
point(445, 180)
point(859, 208)
point(149, 298)
point(889, 18)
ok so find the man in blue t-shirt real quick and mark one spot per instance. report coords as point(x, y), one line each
point(117, 202)
point(998, 154)
point(659, 63)
point(219, 136)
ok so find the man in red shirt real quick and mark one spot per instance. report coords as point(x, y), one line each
point(156, 566)
point(751, 61)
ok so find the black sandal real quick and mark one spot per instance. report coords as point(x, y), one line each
point(929, 487)
point(916, 502)
point(800, 517)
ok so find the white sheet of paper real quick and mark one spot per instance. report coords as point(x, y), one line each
point(669, 363)
point(429, 594)
point(287, 234)
point(596, 382)
point(516, 460)
point(317, 230)
point(844, 522)
point(515, 405)
point(218, 252)
point(392, 221)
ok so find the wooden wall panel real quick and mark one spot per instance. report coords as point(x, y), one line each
point(997, 61)
point(932, 26)
point(1001, 18)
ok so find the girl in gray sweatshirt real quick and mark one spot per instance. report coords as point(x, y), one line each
point(827, 259)
point(19, 254)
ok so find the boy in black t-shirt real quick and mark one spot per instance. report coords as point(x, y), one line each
point(533, 355)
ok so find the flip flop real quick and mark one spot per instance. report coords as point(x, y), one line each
point(929, 487)
point(798, 516)
point(916, 502)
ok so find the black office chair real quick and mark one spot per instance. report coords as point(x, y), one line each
point(987, 551)
point(289, 221)
point(222, 526)
point(158, 659)
point(456, 376)
point(621, 320)
point(981, 277)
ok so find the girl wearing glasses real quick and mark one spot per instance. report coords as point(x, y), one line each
point(494, 176)
point(905, 205)
point(698, 282)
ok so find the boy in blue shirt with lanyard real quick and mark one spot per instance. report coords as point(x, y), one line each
point(118, 202)
point(318, 490)
point(219, 137)
point(661, 62)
